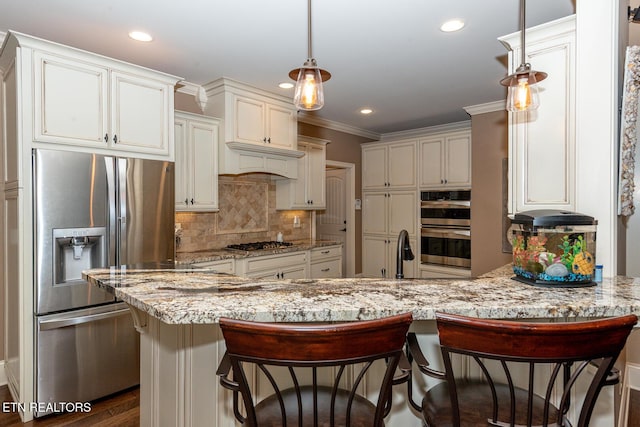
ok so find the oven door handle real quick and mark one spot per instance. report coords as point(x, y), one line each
point(434, 232)
point(445, 204)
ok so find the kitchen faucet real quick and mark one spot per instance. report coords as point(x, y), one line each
point(404, 253)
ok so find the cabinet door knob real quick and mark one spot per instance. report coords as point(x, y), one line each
point(106, 137)
point(186, 201)
point(115, 139)
point(264, 139)
point(269, 140)
point(191, 201)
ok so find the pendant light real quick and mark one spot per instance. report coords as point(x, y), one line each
point(309, 95)
point(522, 94)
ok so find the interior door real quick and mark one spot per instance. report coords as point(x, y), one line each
point(332, 222)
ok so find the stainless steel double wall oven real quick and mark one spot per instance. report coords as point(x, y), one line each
point(446, 228)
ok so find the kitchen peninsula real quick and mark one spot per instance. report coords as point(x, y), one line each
point(177, 310)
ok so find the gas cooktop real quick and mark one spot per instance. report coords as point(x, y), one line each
point(256, 246)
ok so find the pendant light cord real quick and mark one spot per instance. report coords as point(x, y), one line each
point(309, 28)
point(522, 24)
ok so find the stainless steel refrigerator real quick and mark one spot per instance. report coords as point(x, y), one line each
point(92, 211)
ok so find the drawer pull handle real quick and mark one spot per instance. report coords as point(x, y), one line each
point(325, 252)
point(325, 269)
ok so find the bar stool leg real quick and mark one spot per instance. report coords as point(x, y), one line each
point(631, 382)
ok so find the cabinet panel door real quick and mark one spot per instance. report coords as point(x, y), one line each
point(402, 165)
point(403, 212)
point(458, 161)
point(316, 160)
point(374, 167)
point(249, 121)
point(204, 165)
point(374, 213)
point(140, 111)
point(431, 162)
point(326, 269)
point(70, 101)
point(182, 168)
point(281, 127)
point(375, 251)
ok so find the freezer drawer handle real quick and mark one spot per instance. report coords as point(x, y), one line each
point(48, 325)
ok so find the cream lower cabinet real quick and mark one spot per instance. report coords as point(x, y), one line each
point(82, 99)
point(389, 165)
point(316, 263)
point(291, 265)
point(325, 262)
point(307, 192)
point(384, 216)
point(445, 160)
point(196, 162)
point(227, 266)
point(379, 257)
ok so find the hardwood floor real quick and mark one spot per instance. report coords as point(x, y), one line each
point(119, 410)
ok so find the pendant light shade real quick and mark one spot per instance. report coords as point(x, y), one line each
point(522, 93)
point(309, 94)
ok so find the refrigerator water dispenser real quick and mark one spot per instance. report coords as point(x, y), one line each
point(75, 250)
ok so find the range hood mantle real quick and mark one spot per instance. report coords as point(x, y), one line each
point(271, 151)
point(243, 157)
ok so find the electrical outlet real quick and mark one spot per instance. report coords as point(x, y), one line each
point(296, 222)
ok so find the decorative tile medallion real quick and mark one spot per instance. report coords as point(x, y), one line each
point(244, 207)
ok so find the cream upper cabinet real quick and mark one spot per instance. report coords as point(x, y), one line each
point(386, 165)
point(445, 160)
point(257, 121)
point(87, 101)
point(252, 116)
point(259, 129)
point(307, 192)
point(542, 143)
point(196, 141)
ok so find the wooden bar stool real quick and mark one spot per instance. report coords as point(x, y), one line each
point(506, 351)
point(326, 354)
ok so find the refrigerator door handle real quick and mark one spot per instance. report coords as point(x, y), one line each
point(47, 325)
point(111, 203)
point(121, 165)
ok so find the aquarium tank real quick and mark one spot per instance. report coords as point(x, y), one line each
point(554, 248)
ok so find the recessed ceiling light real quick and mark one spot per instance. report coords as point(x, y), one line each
point(452, 25)
point(366, 111)
point(140, 36)
point(286, 85)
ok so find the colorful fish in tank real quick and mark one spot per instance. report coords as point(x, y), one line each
point(569, 263)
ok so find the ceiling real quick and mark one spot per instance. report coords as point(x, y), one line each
point(389, 56)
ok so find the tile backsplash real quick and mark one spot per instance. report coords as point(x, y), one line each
point(247, 213)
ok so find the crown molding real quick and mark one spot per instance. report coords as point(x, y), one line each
point(194, 90)
point(337, 126)
point(488, 107)
point(430, 130)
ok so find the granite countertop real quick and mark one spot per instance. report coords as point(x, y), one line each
point(221, 254)
point(188, 295)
